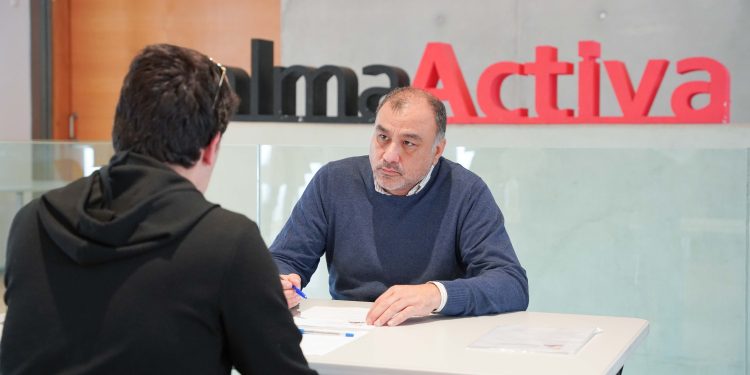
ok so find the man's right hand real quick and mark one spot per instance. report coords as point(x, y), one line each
point(292, 298)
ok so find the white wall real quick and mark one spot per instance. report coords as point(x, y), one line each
point(394, 32)
point(15, 108)
point(15, 70)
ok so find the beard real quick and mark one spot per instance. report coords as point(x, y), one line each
point(389, 181)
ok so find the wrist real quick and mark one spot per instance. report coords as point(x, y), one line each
point(442, 296)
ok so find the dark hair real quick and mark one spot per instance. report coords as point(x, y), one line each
point(399, 96)
point(172, 104)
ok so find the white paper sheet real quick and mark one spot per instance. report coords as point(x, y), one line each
point(317, 344)
point(350, 315)
point(328, 328)
point(520, 338)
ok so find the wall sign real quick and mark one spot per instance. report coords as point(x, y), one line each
point(270, 95)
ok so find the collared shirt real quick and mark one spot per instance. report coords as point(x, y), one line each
point(416, 189)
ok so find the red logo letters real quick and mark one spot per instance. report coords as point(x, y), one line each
point(439, 64)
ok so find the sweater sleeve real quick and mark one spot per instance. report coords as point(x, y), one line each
point(260, 331)
point(495, 282)
point(302, 240)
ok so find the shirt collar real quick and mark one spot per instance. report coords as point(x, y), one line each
point(416, 189)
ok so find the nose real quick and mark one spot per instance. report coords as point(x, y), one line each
point(391, 153)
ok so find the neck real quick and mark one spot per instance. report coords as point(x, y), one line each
point(194, 174)
point(200, 173)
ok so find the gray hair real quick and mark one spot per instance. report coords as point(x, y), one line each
point(400, 96)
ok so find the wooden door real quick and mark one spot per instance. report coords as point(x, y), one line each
point(94, 41)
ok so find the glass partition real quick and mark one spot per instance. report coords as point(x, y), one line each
point(660, 234)
point(656, 234)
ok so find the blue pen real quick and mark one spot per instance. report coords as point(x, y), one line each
point(299, 292)
point(325, 332)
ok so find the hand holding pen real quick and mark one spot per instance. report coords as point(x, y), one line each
point(291, 285)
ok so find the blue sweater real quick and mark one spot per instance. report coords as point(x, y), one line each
point(452, 231)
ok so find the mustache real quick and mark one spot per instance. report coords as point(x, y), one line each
point(393, 166)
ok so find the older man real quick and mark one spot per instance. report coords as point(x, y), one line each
point(410, 230)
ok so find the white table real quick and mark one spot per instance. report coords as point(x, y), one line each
point(438, 345)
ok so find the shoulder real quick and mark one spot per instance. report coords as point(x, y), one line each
point(64, 199)
point(28, 210)
point(460, 176)
point(25, 217)
point(466, 187)
point(24, 232)
point(347, 165)
point(344, 172)
point(228, 222)
point(228, 230)
point(228, 235)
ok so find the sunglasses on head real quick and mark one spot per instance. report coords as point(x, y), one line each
point(222, 78)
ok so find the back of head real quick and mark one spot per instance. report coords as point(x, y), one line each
point(173, 102)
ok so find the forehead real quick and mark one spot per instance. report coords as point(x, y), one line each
point(415, 115)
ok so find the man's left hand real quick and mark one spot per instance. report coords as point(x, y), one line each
point(401, 302)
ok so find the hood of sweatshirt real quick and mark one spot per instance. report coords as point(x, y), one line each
point(132, 205)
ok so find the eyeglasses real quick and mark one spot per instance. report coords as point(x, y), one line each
point(222, 78)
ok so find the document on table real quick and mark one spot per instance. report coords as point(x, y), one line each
point(325, 329)
point(521, 338)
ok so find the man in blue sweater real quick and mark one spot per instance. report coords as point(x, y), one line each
point(408, 229)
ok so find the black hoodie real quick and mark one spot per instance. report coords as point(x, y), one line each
point(130, 271)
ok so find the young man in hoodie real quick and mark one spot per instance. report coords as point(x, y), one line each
point(131, 270)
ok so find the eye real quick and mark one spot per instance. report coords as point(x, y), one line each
point(382, 137)
point(409, 144)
